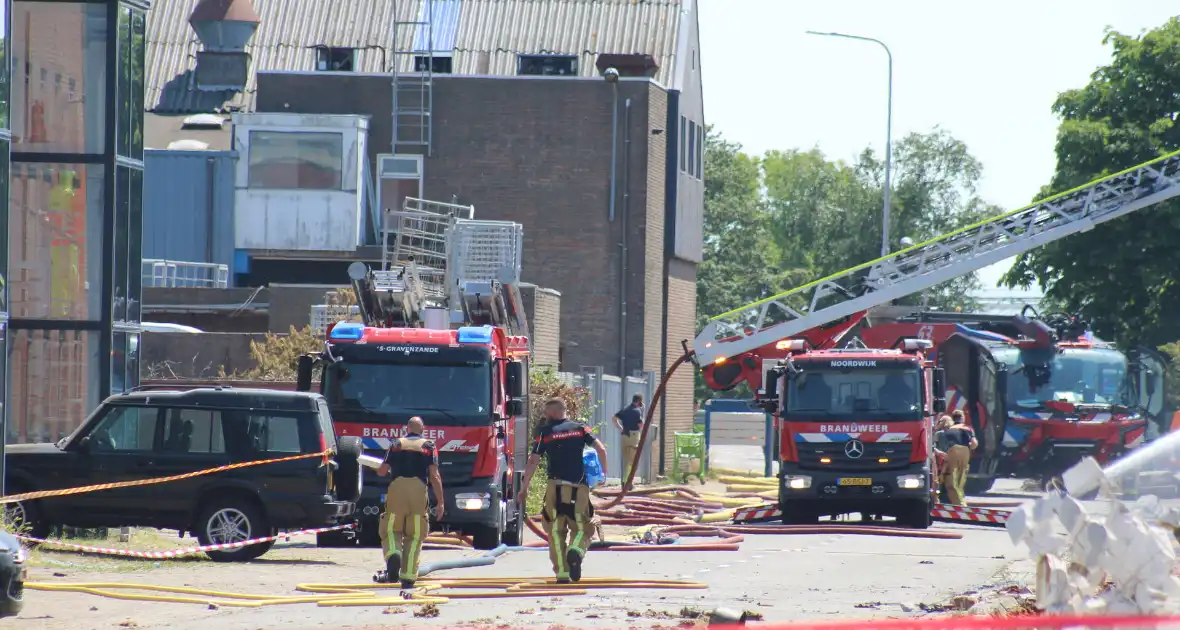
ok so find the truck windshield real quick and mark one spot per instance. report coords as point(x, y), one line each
point(1078, 375)
point(856, 392)
point(458, 394)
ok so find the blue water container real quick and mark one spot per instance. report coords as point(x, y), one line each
point(594, 474)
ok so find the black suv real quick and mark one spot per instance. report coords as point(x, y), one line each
point(148, 433)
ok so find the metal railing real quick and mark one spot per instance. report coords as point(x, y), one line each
point(180, 273)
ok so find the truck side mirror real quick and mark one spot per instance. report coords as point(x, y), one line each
point(938, 385)
point(303, 373)
point(514, 408)
point(514, 375)
point(1150, 384)
point(770, 383)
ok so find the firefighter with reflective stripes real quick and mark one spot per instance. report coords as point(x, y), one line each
point(567, 512)
point(413, 462)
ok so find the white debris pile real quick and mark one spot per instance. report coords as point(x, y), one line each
point(1131, 549)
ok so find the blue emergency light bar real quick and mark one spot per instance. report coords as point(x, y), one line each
point(475, 334)
point(347, 330)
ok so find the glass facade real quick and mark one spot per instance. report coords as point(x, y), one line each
point(72, 162)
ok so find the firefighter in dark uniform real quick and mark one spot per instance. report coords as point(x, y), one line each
point(413, 462)
point(567, 512)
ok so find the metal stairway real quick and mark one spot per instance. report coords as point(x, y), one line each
point(413, 79)
point(927, 264)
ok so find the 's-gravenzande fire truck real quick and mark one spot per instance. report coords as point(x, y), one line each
point(855, 428)
point(1041, 393)
point(443, 337)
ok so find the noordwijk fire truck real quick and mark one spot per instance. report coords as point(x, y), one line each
point(735, 347)
point(855, 429)
point(444, 337)
point(1041, 393)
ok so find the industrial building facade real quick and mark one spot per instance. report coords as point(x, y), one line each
point(73, 161)
point(503, 104)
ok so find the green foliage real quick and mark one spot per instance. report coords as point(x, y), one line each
point(1124, 116)
point(789, 217)
point(1172, 394)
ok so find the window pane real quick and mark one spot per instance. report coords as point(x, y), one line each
point(683, 148)
point(5, 55)
point(123, 84)
point(53, 377)
point(132, 361)
point(118, 363)
point(274, 434)
point(4, 231)
point(55, 257)
point(193, 431)
point(135, 256)
point(700, 152)
point(296, 160)
point(59, 53)
point(692, 147)
point(122, 225)
point(138, 54)
point(125, 429)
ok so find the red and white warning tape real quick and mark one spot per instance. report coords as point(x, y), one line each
point(958, 513)
point(757, 513)
point(177, 553)
point(964, 513)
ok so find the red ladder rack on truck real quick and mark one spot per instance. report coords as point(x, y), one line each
point(444, 337)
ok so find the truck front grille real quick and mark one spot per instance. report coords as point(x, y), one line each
point(897, 455)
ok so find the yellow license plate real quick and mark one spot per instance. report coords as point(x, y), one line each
point(855, 481)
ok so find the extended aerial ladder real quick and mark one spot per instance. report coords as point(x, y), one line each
point(852, 292)
point(438, 258)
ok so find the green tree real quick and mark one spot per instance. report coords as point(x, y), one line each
point(741, 263)
point(826, 215)
point(1122, 275)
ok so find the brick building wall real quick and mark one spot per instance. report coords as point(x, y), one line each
point(543, 307)
point(538, 151)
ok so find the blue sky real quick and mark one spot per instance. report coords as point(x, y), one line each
point(986, 72)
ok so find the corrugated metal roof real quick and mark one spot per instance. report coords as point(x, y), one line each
point(489, 36)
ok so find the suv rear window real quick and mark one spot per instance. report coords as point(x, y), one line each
point(326, 425)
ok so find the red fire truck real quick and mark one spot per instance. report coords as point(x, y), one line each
point(855, 428)
point(1041, 393)
point(443, 340)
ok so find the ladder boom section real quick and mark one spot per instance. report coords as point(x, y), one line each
point(927, 264)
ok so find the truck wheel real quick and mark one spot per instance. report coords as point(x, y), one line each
point(917, 515)
point(797, 513)
point(485, 537)
point(231, 519)
point(348, 477)
point(513, 532)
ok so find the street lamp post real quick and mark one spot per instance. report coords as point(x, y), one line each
point(888, 133)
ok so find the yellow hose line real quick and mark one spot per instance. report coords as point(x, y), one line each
point(340, 595)
point(734, 472)
point(717, 517)
point(759, 488)
point(769, 481)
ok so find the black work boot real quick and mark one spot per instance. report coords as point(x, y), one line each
point(563, 580)
point(407, 584)
point(575, 561)
point(393, 566)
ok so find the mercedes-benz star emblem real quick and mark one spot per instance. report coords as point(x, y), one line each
point(854, 449)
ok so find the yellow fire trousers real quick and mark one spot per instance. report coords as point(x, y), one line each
point(567, 519)
point(404, 525)
point(958, 460)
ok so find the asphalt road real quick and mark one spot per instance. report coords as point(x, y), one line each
point(784, 578)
